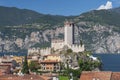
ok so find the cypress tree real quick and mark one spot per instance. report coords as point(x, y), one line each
point(25, 68)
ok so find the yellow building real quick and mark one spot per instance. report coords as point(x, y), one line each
point(18, 59)
point(51, 63)
point(54, 57)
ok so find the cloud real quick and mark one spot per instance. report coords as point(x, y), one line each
point(108, 5)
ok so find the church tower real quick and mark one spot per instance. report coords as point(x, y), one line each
point(69, 33)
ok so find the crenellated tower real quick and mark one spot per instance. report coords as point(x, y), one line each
point(69, 33)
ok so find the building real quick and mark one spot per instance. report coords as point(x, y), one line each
point(59, 44)
point(68, 41)
point(68, 33)
point(115, 76)
point(51, 62)
point(100, 75)
point(54, 57)
point(5, 69)
point(38, 51)
point(18, 59)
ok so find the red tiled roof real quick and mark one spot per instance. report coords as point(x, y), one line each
point(7, 64)
point(25, 77)
point(115, 76)
point(95, 75)
point(52, 55)
point(49, 61)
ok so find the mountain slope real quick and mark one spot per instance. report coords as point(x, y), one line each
point(110, 17)
point(10, 16)
point(100, 30)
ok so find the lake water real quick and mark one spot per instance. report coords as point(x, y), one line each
point(111, 62)
point(13, 53)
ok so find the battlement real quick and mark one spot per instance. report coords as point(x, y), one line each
point(77, 48)
point(68, 23)
point(33, 50)
point(43, 51)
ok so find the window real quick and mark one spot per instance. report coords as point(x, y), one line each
point(95, 79)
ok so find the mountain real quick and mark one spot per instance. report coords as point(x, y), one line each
point(110, 17)
point(21, 29)
point(100, 30)
point(10, 16)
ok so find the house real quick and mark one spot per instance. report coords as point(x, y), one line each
point(18, 59)
point(5, 69)
point(50, 62)
point(115, 76)
point(100, 75)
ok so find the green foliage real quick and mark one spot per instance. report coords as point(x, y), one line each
point(63, 78)
point(25, 68)
point(42, 45)
point(81, 43)
point(69, 51)
point(85, 63)
point(33, 66)
point(88, 65)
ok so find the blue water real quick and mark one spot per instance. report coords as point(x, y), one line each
point(13, 53)
point(111, 62)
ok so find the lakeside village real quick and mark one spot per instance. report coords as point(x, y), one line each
point(64, 60)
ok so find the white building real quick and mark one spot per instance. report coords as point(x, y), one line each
point(58, 44)
point(36, 51)
point(68, 33)
point(68, 39)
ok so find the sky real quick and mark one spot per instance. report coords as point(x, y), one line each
point(61, 7)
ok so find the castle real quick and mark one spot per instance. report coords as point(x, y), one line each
point(58, 44)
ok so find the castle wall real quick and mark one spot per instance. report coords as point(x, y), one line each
point(57, 45)
point(33, 51)
point(77, 48)
point(44, 51)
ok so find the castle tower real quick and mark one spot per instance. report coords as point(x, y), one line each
point(69, 33)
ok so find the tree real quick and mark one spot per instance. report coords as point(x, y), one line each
point(33, 66)
point(81, 43)
point(25, 68)
point(69, 51)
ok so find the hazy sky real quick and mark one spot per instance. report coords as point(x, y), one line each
point(61, 7)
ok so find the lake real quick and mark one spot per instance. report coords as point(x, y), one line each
point(13, 53)
point(111, 62)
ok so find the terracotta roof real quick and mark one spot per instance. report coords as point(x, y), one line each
point(4, 67)
point(25, 77)
point(49, 61)
point(46, 78)
point(6, 64)
point(52, 55)
point(29, 57)
point(115, 76)
point(95, 75)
